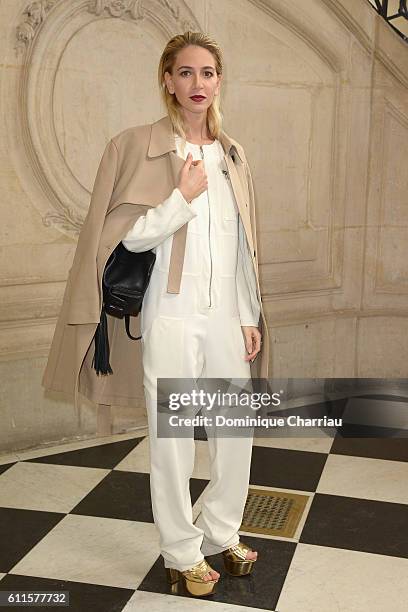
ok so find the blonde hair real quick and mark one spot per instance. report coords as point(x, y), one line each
point(176, 44)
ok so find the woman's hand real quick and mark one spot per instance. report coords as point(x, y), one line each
point(193, 179)
point(252, 337)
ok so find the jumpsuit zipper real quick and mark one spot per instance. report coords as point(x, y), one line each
point(209, 235)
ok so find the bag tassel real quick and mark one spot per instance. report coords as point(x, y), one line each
point(100, 361)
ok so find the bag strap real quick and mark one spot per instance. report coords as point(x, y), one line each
point(127, 323)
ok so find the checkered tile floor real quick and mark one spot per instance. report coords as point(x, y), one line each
point(78, 518)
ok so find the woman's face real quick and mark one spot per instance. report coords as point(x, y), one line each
point(194, 74)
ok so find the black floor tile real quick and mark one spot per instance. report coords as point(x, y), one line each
point(355, 430)
point(105, 456)
point(286, 469)
point(5, 466)
point(20, 530)
point(197, 486)
point(357, 524)
point(261, 589)
point(392, 449)
point(83, 597)
point(200, 433)
point(126, 496)
point(120, 495)
point(385, 397)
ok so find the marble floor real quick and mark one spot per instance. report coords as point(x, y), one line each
point(78, 518)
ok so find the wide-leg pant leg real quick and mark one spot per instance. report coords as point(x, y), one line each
point(223, 501)
point(173, 348)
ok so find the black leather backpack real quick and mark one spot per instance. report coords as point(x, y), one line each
point(125, 279)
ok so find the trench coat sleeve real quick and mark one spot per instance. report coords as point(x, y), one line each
point(249, 307)
point(248, 304)
point(159, 223)
point(84, 301)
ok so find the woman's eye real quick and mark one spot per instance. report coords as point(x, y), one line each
point(208, 73)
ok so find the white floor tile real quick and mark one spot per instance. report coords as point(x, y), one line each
point(202, 460)
point(138, 460)
point(94, 550)
point(316, 445)
point(41, 486)
point(142, 601)
point(335, 580)
point(365, 478)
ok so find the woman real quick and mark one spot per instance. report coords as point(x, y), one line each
point(182, 187)
point(209, 329)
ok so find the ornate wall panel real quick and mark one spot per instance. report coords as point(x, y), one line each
point(87, 68)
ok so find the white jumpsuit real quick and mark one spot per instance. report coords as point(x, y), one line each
point(196, 334)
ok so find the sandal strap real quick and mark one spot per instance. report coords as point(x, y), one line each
point(198, 571)
point(238, 551)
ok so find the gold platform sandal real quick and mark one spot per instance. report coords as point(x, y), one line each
point(192, 579)
point(235, 562)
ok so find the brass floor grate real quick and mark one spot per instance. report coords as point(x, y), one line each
point(273, 512)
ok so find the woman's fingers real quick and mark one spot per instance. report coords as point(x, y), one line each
point(257, 343)
point(248, 339)
point(252, 337)
point(256, 346)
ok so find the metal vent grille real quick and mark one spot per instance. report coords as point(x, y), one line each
point(273, 512)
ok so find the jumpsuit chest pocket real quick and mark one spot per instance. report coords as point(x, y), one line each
point(229, 210)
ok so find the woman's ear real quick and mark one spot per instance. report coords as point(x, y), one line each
point(169, 82)
point(217, 89)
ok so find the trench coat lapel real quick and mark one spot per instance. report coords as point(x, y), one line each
point(180, 236)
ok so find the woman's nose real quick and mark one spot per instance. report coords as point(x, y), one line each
point(197, 81)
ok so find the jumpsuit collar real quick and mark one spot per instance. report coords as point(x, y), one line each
point(162, 140)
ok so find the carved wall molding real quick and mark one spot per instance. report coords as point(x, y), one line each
point(394, 124)
point(45, 29)
point(33, 16)
point(132, 8)
point(316, 260)
point(118, 8)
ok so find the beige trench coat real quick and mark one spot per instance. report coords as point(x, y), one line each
point(139, 168)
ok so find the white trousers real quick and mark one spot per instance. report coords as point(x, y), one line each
point(197, 346)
